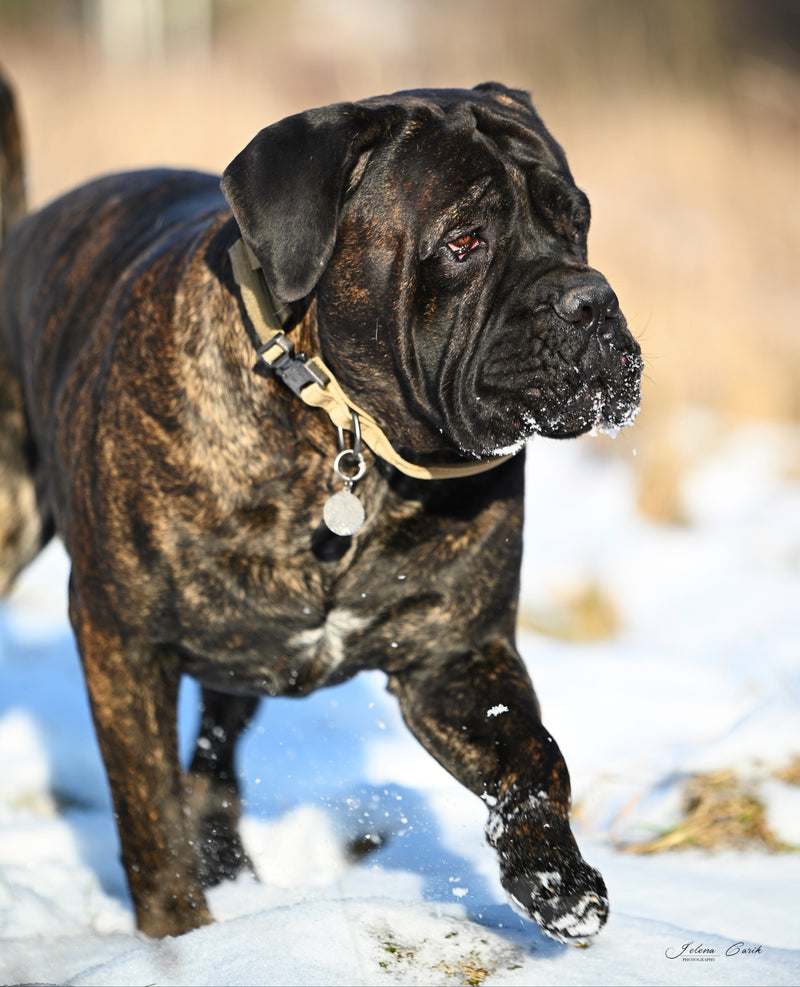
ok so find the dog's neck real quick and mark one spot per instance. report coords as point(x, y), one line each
point(313, 382)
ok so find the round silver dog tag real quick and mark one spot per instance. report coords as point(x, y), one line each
point(343, 513)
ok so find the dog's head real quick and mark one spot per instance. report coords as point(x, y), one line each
point(444, 241)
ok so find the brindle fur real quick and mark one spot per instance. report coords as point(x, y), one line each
point(12, 179)
point(188, 489)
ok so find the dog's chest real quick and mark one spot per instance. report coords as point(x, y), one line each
point(332, 640)
point(279, 643)
point(289, 624)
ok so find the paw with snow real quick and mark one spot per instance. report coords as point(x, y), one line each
point(543, 872)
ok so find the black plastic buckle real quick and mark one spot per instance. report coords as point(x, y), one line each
point(292, 369)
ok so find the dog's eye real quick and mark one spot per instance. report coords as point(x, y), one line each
point(464, 244)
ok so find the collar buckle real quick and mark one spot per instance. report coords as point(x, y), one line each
point(293, 369)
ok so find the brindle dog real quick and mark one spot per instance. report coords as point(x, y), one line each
point(430, 248)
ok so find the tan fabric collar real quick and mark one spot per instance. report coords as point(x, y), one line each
point(314, 383)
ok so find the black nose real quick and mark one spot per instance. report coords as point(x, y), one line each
point(589, 306)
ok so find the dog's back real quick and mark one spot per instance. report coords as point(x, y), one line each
point(59, 269)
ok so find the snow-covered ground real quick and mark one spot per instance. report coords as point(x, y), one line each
point(704, 674)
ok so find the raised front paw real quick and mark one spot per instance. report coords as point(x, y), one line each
point(570, 908)
point(543, 872)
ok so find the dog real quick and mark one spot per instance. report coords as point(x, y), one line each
point(280, 429)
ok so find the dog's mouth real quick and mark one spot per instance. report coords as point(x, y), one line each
point(600, 405)
point(613, 410)
point(599, 391)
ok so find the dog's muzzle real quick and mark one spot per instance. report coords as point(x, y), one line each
point(607, 357)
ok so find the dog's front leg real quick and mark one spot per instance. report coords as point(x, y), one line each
point(133, 692)
point(213, 787)
point(477, 713)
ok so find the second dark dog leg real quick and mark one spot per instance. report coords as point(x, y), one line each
point(213, 788)
point(477, 714)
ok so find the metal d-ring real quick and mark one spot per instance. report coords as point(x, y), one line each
point(354, 454)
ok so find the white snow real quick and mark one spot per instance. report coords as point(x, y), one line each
point(704, 675)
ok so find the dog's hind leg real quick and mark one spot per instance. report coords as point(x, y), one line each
point(22, 530)
point(213, 789)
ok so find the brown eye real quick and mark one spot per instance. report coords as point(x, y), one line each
point(464, 244)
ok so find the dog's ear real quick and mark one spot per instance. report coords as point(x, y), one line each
point(287, 186)
point(505, 95)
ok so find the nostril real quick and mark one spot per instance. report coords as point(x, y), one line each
point(587, 316)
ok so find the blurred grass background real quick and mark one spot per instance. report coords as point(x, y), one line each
point(680, 118)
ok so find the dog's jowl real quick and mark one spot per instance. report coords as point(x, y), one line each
point(385, 300)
